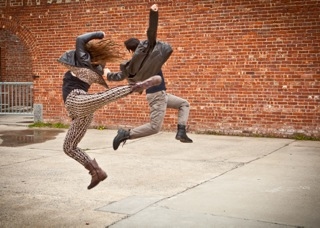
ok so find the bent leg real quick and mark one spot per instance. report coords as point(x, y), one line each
point(74, 135)
point(77, 130)
point(183, 107)
point(158, 105)
point(82, 104)
point(183, 114)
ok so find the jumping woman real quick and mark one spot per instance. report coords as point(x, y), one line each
point(86, 65)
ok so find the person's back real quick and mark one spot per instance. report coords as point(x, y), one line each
point(148, 55)
point(132, 45)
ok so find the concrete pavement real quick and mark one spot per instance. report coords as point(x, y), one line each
point(218, 181)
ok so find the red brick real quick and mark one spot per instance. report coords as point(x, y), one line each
point(230, 60)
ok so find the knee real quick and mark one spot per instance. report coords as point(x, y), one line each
point(185, 103)
point(156, 127)
point(67, 148)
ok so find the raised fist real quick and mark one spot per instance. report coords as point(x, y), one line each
point(154, 7)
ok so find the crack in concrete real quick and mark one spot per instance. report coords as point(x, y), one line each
point(238, 165)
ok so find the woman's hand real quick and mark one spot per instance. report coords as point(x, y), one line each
point(154, 7)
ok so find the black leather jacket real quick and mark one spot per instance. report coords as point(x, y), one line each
point(75, 61)
point(80, 57)
point(147, 59)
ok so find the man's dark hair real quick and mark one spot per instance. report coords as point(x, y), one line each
point(131, 44)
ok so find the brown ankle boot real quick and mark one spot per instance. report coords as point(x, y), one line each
point(96, 173)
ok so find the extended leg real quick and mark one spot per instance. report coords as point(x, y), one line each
point(82, 104)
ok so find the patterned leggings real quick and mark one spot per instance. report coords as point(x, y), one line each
point(81, 106)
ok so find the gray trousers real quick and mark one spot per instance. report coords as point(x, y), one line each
point(158, 104)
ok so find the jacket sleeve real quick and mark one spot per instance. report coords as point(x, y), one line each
point(153, 27)
point(82, 56)
point(119, 76)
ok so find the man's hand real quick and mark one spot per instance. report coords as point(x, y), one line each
point(106, 71)
point(154, 7)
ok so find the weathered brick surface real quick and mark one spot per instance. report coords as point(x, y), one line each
point(246, 67)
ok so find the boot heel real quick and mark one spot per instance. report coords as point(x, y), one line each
point(97, 174)
point(182, 135)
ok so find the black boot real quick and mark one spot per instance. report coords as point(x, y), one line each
point(122, 136)
point(182, 135)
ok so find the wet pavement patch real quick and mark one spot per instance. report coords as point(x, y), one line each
point(27, 137)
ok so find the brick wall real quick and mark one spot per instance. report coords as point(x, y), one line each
point(246, 67)
point(15, 59)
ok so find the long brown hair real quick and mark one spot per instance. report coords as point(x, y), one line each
point(103, 50)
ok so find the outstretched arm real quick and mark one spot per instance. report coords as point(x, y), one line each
point(153, 25)
point(117, 76)
point(112, 76)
